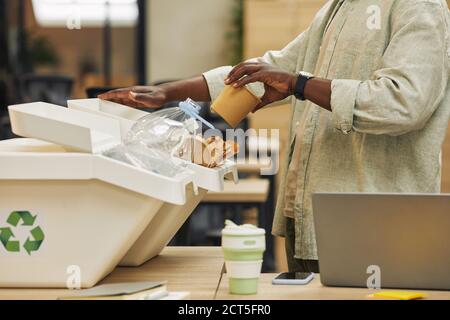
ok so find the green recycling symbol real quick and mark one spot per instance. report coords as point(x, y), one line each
point(33, 242)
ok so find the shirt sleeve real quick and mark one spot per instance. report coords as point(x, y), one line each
point(285, 59)
point(215, 80)
point(403, 94)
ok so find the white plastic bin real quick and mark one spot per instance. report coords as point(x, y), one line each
point(90, 209)
point(125, 115)
point(169, 218)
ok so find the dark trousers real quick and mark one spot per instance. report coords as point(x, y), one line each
point(297, 265)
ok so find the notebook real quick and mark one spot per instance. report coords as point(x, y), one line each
point(150, 290)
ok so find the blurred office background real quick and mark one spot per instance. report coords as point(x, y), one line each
point(48, 54)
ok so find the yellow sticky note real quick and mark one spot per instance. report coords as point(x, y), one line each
point(400, 295)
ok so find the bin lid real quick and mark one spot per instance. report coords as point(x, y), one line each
point(125, 115)
point(36, 160)
point(77, 130)
point(107, 108)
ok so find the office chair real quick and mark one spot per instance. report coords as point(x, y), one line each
point(5, 128)
point(47, 88)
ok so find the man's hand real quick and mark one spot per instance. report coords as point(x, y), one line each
point(156, 96)
point(138, 97)
point(278, 83)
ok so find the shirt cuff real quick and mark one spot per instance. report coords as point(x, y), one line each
point(343, 101)
point(215, 80)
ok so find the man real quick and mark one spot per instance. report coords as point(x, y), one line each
point(372, 119)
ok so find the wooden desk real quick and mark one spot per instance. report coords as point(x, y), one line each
point(313, 291)
point(196, 270)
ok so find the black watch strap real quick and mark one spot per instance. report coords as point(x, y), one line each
point(300, 86)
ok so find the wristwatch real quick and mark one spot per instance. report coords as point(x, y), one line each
point(301, 83)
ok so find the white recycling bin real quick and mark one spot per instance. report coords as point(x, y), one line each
point(170, 217)
point(69, 215)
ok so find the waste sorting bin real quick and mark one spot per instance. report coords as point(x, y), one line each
point(68, 211)
point(171, 217)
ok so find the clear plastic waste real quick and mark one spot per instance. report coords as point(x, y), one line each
point(150, 160)
point(155, 141)
point(209, 153)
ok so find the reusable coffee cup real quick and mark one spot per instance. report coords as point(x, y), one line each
point(243, 248)
point(235, 104)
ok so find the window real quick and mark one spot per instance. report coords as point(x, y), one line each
point(86, 13)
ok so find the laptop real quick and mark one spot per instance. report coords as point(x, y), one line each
point(402, 238)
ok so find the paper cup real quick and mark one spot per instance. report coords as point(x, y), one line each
point(235, 104)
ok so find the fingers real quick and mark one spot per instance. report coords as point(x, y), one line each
point(145, 100)
point(240, 65)
point(137, 105)
point(141, 89)
point(123, 96)
point(123, 93)
point(244, 69)
point(255, 77)
point(125, 102)
point(264, 102)
point(115, 94)
point(116, 100)
point(139, 97)
point(266, 99)
point(260, 106)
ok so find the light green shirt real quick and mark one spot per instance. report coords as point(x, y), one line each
point(390, 102)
